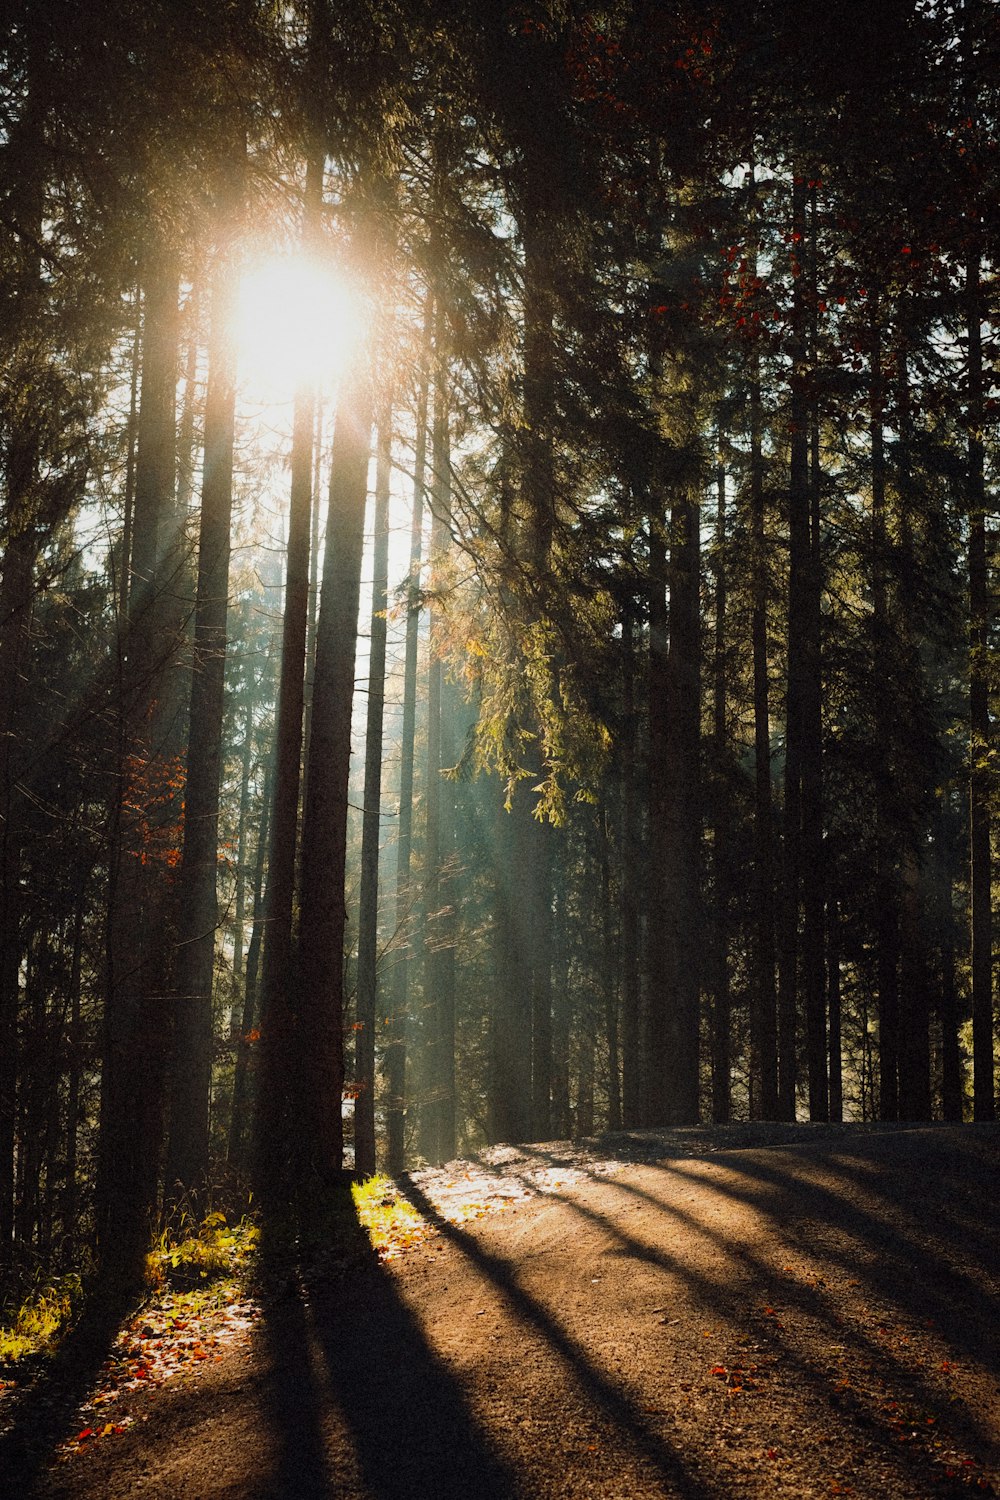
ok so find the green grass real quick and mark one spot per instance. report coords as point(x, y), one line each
point(392, 1223)
point(36, 1326)
point(217, 1252)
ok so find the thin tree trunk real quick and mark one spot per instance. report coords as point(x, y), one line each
point(440, 891)
point(539, 484)
point(721, 999)
point(240, 895)
point(364, 1053)
point(609, 986)
point(763, 995)
point(813, 849)
point(74, 1074)
point(561, 1115)
point(798, 573)
point(834, 1010)
point(19, 543)
point(656, 1039)
point(886, 874)
point(236, 1154)
point(632, 1088)
point(980, 725)
point(510, 1023)
point(948, 1007)
point(396, 1048)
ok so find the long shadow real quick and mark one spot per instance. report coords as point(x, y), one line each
point(636, 1431)
point(291, 1400)
point(807, 1300)
point(963, 1312)
point(348, 1360)
point(961, 1307)
point(47, 1412)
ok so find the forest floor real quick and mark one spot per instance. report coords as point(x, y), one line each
point(751, 1311)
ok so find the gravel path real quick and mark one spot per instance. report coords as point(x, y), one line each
point(754, 1311)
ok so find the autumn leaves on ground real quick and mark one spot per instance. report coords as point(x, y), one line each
point(747, 1311)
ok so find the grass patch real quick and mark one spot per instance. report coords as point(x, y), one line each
point(36, 1326)
point(217, 1252)
point(390, 1221)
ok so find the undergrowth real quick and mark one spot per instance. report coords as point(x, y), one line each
point(197, 1268)
point(390, 1220)
point(217, 1251)
point(35, 1326)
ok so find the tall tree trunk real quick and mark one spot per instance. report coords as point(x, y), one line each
point(272, 1127)
point(915, 971)
point(675, 823)
point(947, 998)
point(561, 1115)
point(440, 891)
point(319, 1070)
point(16, 593)
point(797, 670)
point(656, 1040)
point(239, 1118)
point(632, 1084)
point(20, 540)
point(980, 726)
point(74, 1074)
point(834, 1009)
point(364, 1053)
point(143, 831)
point(609, 986)
point(240, 892)
point(813, 849)
point(191, 1073)
point(539, 486)
point(509, 1098)
point(886, 872)
point(763, 995)
point(396, 1049)
point(721, 855)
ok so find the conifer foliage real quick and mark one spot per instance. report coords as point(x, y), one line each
point(573, 711)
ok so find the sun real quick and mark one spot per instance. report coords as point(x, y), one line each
point(297, 322)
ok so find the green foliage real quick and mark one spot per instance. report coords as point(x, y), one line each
point(219, 1251)
point(36, 1326)
point(391, 1222)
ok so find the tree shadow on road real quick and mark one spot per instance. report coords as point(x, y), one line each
point(883, 1215)
point(634, 1427)
point(356, 1399)
point(47, 1411)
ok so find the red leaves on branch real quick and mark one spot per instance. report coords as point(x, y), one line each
point(153, 801)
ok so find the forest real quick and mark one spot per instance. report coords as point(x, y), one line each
point(497, 611)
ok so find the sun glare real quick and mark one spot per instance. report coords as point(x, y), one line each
point(297, 321)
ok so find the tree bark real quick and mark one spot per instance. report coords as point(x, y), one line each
point(797, 670)
point(319, 1070)
point(980, 725)
point(364, 1053)
point(396, 1048)
point(440, 891)
point(721, 855)
point(763, 997)
point(143, 828)
point(191, 1072)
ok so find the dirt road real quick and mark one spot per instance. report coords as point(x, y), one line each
point(813, 1317)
